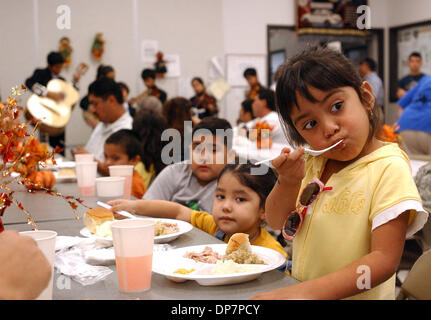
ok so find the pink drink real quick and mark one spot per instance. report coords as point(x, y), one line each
point(127, 187)
point(134, 273)
point(86, 191)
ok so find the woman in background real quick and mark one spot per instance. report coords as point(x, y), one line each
point(203, 104)
point(149, 125)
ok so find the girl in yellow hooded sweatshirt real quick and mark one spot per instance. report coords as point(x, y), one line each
point(350, 209)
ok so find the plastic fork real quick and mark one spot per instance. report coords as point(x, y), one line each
point(309, 151)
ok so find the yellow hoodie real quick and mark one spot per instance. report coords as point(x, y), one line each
point(338, 225)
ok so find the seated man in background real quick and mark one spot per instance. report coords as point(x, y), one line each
point(106, 101)
point(263, 107)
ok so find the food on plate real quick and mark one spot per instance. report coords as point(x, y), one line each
point(164, 228)
point(67, 172)
point(206, 256)
point(98, 221)
point(183, 271)
point(228, 266)
point(239, 250)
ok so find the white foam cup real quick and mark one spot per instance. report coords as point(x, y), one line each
point(45, 240)
point(84, 157)
point(110, 186)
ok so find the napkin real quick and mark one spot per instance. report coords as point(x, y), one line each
point(74, 254)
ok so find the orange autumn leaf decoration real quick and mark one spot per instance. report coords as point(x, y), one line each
point(262, 134)
point(22, 153)
point(387, 133)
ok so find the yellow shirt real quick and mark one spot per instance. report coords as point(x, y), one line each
point(337, 227)
point(147, 176)
point(205, 222)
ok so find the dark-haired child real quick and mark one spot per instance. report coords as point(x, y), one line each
point(123, 148)
point(239, 206)
point(149, 126)
point(193, 184)
point(350, 209)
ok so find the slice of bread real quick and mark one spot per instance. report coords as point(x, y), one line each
point(238, 241)
point(95, 217)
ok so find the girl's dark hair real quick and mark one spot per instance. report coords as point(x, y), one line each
point(324, 69)
point(128, 140)
point(176, 111)
point(149, 125)
point(103, 70)
point(262, 184)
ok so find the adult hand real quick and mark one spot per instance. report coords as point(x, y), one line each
point(24, 270)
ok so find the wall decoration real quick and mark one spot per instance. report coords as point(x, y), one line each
point(97, 48)
point(149, 49)
point(66, 50)
point(328, 17)
point(160, 65)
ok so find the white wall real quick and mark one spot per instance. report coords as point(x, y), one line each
point(244, 32)
point(197, 30)
point(190, 28)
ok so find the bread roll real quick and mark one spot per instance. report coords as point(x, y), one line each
point(238, 241)
point(95, 217)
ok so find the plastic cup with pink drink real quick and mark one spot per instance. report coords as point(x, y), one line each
point(133, 245)
point(86, 177)
point(125, 171)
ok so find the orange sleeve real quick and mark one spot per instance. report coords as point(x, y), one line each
point(138, 186)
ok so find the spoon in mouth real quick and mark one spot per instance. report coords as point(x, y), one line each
point(306, 150)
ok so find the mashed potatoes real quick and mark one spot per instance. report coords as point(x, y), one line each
point(228, 266)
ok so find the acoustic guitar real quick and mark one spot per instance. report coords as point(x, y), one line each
point(54, 115)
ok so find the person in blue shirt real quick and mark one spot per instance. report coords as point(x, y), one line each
point(414, 123)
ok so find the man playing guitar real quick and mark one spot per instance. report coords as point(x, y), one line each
point(38, 82)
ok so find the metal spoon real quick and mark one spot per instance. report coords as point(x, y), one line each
point(309, 151)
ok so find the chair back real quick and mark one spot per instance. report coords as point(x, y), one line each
point(418, 282)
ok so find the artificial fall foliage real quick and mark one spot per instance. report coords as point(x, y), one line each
point(22, 153)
